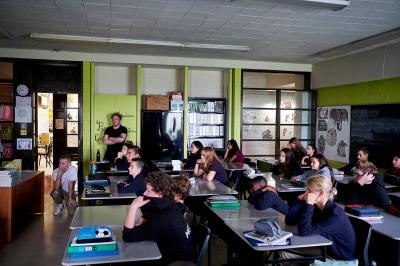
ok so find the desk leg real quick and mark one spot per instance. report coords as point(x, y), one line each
point(324, 253)
point(209, 252)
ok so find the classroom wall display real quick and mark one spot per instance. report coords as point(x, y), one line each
point(24, 144)
point(378, 128)
point(333, 132)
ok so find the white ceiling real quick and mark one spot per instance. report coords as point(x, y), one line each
point(273, 30)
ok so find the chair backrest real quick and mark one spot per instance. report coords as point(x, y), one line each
point(50, 148)
point(363, 231)
point(201, 236)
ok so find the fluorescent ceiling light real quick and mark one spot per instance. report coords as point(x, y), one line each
point(91, 39)
point(328, 4)
point(375, 41)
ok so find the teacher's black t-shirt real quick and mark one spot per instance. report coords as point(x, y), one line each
point(112, 150)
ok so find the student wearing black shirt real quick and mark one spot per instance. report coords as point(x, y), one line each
point(263, 196)
point(209, 167)
point(135, 182)
point(368, 188)
point(133, 152)
point(392, 175)
point(298, 150)
point(195, 154)
point(114, 137)
point(287, 166)
point(362, 155)
point(162, 221)
point(180, 190)
point(315, 214)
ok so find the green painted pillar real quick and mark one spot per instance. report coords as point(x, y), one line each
point(87, 92)
point(138, 103)
point(236, 104)
point(185, 109)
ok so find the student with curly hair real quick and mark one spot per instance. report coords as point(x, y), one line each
point(180, 191)
point(162, 221)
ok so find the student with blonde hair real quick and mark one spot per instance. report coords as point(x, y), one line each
point(316, 214)
point(209, 167)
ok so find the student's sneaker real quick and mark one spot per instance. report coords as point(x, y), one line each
point(58, 209)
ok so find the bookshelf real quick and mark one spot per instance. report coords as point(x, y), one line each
point(6, 113)
point(206, 122)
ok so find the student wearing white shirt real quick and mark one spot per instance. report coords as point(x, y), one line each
point(64, 178)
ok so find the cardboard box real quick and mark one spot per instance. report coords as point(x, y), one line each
point(156, 102)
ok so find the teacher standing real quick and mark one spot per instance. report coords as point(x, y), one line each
point(114, 137)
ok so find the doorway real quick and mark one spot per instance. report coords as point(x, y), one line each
point(57, 129)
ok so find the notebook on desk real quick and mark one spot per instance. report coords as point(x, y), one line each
point(97, 190)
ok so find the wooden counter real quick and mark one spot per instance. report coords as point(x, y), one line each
point(29, 192)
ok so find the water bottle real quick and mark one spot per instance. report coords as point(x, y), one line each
point(98, 155)
point(92, 168)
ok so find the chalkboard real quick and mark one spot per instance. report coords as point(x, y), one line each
point(378, 128)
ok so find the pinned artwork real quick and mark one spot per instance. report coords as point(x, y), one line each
point(333, 132)
point(267, 134)
point(331, 138)
point(341, 149)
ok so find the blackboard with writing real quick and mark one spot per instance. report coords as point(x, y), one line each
point(378, 128)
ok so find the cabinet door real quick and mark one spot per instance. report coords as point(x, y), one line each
point(126, 105)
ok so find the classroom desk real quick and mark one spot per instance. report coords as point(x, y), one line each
point(246, 211)
point(347, 179)
point(113, 216)
point(114, 180)
point(202, 188)
point(114, 172)
point(28, 192)
point(128, 252)
point(231, 231)
point(385, 240)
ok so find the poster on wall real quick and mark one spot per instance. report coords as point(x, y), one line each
point(333, 132)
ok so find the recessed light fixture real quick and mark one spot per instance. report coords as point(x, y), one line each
point(92, 39)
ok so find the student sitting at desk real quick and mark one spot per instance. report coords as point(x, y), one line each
point(123, 162)
point(135, 182)
point(311, 150)
point(180, 190)
point(209, 167)
point(316, 214)
point(319, 166)
point(368, 188)
point(233, 154)
point(162, 221)
point(195, 154)
point(263, 196)
point(287, 166)
point(392, 175)
point(362, 155)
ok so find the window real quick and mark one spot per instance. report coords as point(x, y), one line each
point(275, 108)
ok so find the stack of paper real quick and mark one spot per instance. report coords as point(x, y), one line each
point(223, 201)
point(9, 177)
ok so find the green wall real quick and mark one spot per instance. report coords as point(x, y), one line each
point(384, 91)
point(371, 92)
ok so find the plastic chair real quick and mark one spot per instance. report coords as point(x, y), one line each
point(201, 236)
point(363, 231)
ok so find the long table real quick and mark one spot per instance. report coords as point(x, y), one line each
point(128, 252)
point(114, 194)
point(231, 224)
point(29, 192)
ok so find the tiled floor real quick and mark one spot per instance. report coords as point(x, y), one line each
point(41, 239)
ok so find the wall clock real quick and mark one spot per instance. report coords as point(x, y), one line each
point(22, 90)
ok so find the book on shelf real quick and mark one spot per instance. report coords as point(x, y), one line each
point(361, 210)
point(258, 239)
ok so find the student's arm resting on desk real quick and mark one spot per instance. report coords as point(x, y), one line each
point(294, 213)
point(210, 176)
point(329, 226)
point(197, 170)
point(266, 199)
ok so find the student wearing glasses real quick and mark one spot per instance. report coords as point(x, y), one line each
point(209, 167)
point(367, 188)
